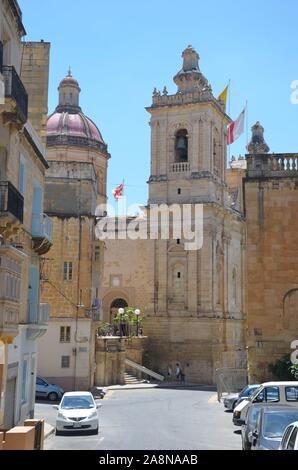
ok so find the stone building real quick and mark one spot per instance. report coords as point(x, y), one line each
point(271, 205)
point(192, 300)
point(75, 185)
point(25, 232)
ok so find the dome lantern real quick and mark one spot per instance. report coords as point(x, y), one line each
point(69, 94)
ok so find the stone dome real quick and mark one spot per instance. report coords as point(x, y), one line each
point(68, 125)
point(73, 125)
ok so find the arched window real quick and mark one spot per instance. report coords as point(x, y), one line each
point(181, 146)
point(119, 303)
point(115, 305)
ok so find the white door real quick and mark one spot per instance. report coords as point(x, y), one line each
point(9, 403)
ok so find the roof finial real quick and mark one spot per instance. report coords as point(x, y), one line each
point(69, 72)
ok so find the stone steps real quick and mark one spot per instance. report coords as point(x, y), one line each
point(131, 379)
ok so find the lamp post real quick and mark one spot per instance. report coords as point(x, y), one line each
point(138, 313)
point(121, 311)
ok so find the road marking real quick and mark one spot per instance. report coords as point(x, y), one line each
point(212, 399)
point(108, 394)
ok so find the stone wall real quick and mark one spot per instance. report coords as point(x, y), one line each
point(35, 76)
point(272, 285)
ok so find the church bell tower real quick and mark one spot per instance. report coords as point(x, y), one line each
point(197, 317)
point(188, 146)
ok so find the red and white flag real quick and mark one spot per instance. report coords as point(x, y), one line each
point(236, 128)
point(118, 192)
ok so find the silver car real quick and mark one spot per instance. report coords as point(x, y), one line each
point(231, 399)
point(77, 412)
point(270, 426)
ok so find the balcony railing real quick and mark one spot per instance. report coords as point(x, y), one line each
point(42, 227)
point(275, 165)
point(180, 167)
point(38, 314)
point(11, 201)
point(15, 90)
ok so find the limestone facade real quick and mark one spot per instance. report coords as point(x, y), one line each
point(193, 301)
point(75, 186)
point(25, 233)
point(271, 205)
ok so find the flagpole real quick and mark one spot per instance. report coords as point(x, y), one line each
point(123, 200)
point(229, 111)
point(246, 109)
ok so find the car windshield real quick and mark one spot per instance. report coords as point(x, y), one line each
point(276, 423)
point(248, 391)
point(255, 392)
point(79, 402)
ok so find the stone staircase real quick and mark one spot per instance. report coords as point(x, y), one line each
point(131, 379)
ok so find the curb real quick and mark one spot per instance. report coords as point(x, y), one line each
point(199, 387)
point(49, 429)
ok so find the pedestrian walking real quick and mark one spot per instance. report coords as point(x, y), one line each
point(178, 373)
point(170, 372)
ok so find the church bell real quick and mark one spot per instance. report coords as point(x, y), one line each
point(181, 143)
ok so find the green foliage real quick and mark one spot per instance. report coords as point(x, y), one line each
point(283, 369)
point(104, 329)
point(130, 321)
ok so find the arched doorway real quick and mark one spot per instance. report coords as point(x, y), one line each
point(115, 305)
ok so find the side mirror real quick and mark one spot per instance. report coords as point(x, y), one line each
point(56, 407)
point(255, 434)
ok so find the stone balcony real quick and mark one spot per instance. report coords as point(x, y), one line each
point(10, 291)
point(42, 233)
point(38, 320)
point(275, 165)
point(11, 209)
point(180, 167)
point(14, 106)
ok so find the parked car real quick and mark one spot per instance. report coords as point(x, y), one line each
point(46, 390)
point(290, 437)
point(270, 426)
point(77, 412)
point(250, 425)
point(232, 399)
point(269, 393)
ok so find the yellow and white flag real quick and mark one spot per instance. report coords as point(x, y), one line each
point(223, 95)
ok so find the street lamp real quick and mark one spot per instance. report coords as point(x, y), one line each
point(121, 311)
point(138, 313)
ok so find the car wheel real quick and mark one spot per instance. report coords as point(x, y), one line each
point(53, 396)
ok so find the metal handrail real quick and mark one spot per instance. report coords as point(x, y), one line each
point(15, 89)
point(11, 200)
point(144, 370)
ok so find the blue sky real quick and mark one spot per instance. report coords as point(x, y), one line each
point(120, 50)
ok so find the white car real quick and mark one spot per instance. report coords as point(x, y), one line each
point(269, 393)
point(77, 412)
point(290, 437)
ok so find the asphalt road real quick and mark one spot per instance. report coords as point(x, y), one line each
point(153, 419)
